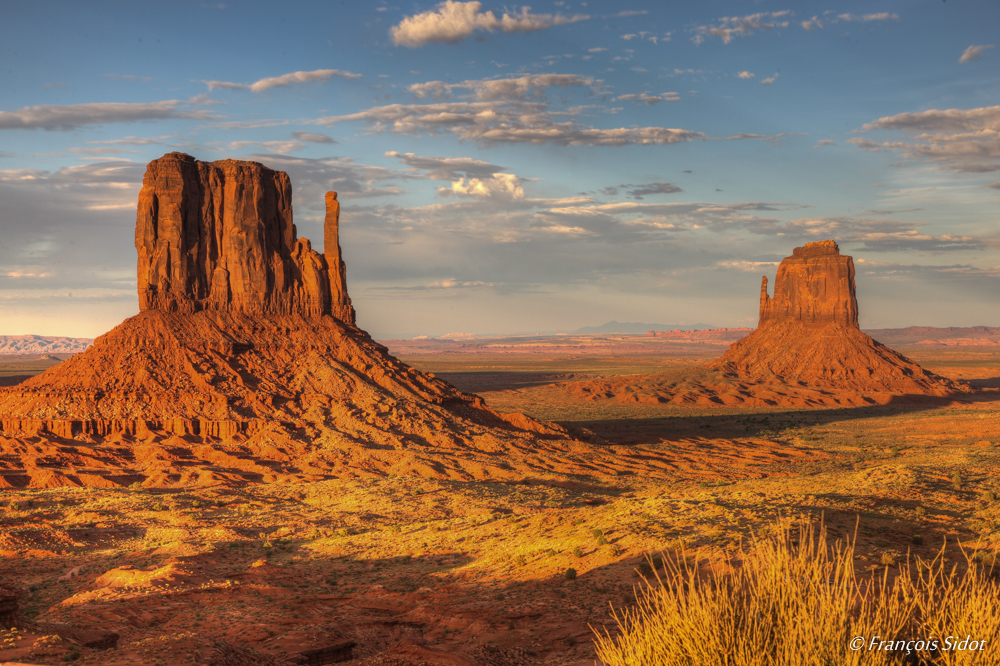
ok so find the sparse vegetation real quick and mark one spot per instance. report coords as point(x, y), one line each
point(788, 606)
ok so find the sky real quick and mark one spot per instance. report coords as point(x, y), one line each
point(514, 169)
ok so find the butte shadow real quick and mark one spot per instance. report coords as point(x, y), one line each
point(807, 351)
point(245, 365)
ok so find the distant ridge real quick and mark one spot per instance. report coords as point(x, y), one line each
point(41, 344)
point(638, 328)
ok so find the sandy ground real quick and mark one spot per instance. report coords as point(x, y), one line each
point(408, 570)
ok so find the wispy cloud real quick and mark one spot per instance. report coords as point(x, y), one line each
point(451, 22)
point(289, 79)
point(313, 138)
point(653, 188)
point(530, 86)
point(965, 140)
point(769, 80)
point(746, 75)
point(974, 52)
point(60, 117)
point(729, 27)
point(864, 18)
point(646, 98)
point(490, 123)
point(515, 110)
point(447, 168)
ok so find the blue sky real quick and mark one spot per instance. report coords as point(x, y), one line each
point(507, 169)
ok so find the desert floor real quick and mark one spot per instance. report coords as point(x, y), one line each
point(454, 572)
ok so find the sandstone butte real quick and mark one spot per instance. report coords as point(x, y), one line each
point(807, 351)
point(245, 365)
point(808, 334)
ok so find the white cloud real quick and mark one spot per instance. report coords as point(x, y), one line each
point(300, 77)
point(451, 22)
point(746, 75)
point(741, 26)
point(283, 80)
point(812, 24)
point(498, 186)
point(974, 52)
point(824, 142)
point(631, 12)
point(597, 49)
point(769, 80)
point(58, 117)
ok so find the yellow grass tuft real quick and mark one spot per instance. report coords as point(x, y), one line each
point(796, 600)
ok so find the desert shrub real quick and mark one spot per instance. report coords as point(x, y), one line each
point(956, 480)
point(785, 606)
point(570, 574)
point(601, 541)
point(597, 533)
point(577, 552)
point(520, 560)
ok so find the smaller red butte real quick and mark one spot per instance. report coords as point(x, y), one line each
point(813, 286)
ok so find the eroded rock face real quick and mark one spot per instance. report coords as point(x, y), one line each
point(220, 236)
point(813, 286)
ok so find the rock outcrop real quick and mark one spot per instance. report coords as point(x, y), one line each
point(814, 286)
point(808, 334)
point(220, 236)
point(246, 358)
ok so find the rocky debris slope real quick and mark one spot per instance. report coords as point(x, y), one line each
point(245, 364)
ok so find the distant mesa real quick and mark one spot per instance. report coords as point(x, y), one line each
point(39, 344)
point(245, 364)
point(637, 328)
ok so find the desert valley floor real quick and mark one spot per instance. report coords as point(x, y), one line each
point(409, 570)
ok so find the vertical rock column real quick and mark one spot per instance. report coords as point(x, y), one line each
point(813, 286)
point(340, 302)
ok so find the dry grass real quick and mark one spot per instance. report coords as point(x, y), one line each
point(796, 600)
